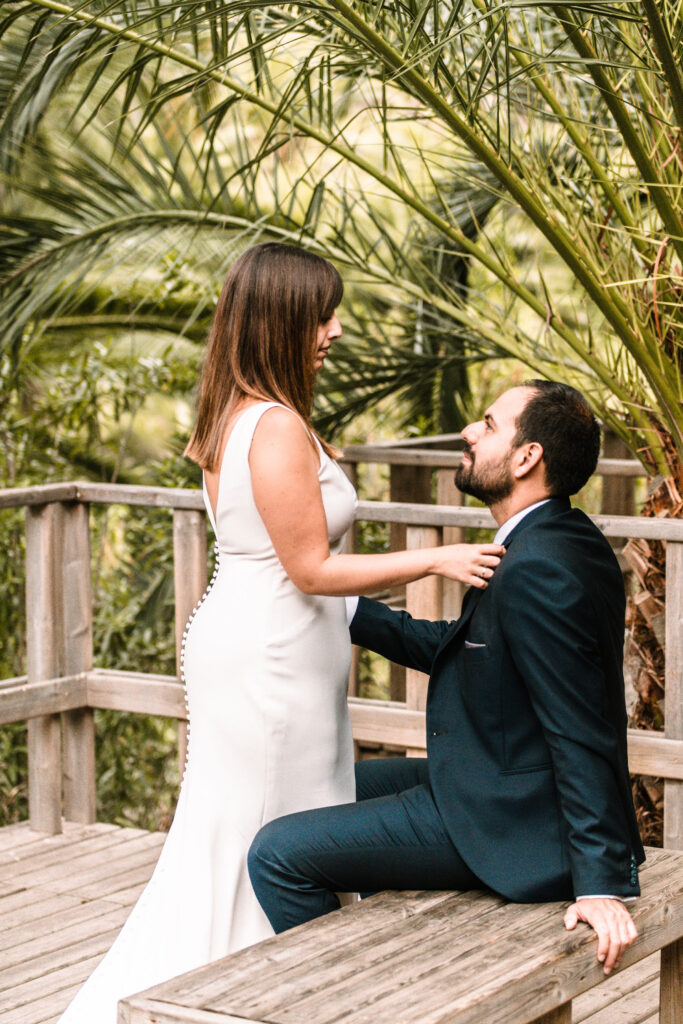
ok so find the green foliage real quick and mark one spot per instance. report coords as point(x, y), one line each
point(494, 181)
point(13, 774)
point(101, 410)
point(137, 769)
point(451, 157)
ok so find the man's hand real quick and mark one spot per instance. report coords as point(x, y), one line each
point(612, 924)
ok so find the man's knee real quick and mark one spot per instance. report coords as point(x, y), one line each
point(263, 855)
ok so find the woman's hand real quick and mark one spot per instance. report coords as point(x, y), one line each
point(473, 564)
point(284, 480)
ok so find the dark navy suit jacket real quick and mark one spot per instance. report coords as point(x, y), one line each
point(526, 720)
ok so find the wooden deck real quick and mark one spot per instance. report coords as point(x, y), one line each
point(64, 897)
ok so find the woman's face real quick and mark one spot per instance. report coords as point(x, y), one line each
point(328, 330)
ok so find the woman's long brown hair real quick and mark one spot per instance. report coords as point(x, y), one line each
point(262, 342)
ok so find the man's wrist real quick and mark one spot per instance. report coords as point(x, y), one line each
point(594, 896)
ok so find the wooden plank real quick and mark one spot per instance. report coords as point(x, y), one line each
point(452, 442)
point(14, 681)
point(190, 578)
point(618, 492)
point(67, 955)
point(32, 950)
point(390, 722)
point(381, 915)
point(27, 700)
point(561, 1015)
point(129, 895)
point(78, 726)
point(44, 774)
point(406, 483)
point(633, 1008)
point(135, 691)
point(439, 515)
point(40, 865)
point(651, 753)
point(447, 493)
point(148, 497)
point(145, 1011)
point(115, 885)
point(456, 988)
point(41, 1011)
point(673, 791)
point(362, 972)
point(378, 954)
point(42, 494)
point(71, 871)
point(446, 957)
point(404, 513)
point(17, 835)
point(189, 498)
point(44, 659)
point(384, 721)
point(671, 984)
point(619, 989)
point(423, 601)
point(30, 916)
point(20, 839)
point(444, 458)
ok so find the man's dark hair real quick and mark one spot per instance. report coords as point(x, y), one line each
point(559, 418)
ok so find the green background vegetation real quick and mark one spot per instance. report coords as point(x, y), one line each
point(500, 185)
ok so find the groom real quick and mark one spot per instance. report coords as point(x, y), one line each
point(526, 788)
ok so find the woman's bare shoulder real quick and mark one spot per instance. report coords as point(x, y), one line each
point(281, 435)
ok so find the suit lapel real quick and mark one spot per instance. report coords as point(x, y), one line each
point(553, 507)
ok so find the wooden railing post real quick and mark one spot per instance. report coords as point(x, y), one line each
point(78, 727)
point(190, 577)
point(44, 659)
point(350, 545)
point(423, 601)
point(448, 494)
point(673, 790)
point(618, 492)
point(671, 984)
point(406, 483)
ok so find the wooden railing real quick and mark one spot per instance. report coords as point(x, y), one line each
point(61, 688)
point(422, 470)
point(413, 462)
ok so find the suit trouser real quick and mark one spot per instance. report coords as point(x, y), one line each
point(391, 838)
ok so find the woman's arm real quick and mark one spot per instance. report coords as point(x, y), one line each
point(284, 475)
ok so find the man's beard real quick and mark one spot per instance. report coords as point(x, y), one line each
point(492, 484)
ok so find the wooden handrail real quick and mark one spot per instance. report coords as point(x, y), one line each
point(62, 688)
point(373, 721)
point(409, 514)
point(446, 459)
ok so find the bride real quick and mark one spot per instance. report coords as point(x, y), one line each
point(266, 653)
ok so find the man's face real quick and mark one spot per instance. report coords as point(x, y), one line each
point(486, 469)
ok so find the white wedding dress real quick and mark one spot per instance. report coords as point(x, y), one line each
point(265, 668)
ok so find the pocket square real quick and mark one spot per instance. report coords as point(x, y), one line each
point(469, 645)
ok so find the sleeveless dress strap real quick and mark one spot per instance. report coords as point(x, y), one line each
point(239, 443)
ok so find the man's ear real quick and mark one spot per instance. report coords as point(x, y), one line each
point(528, 457)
